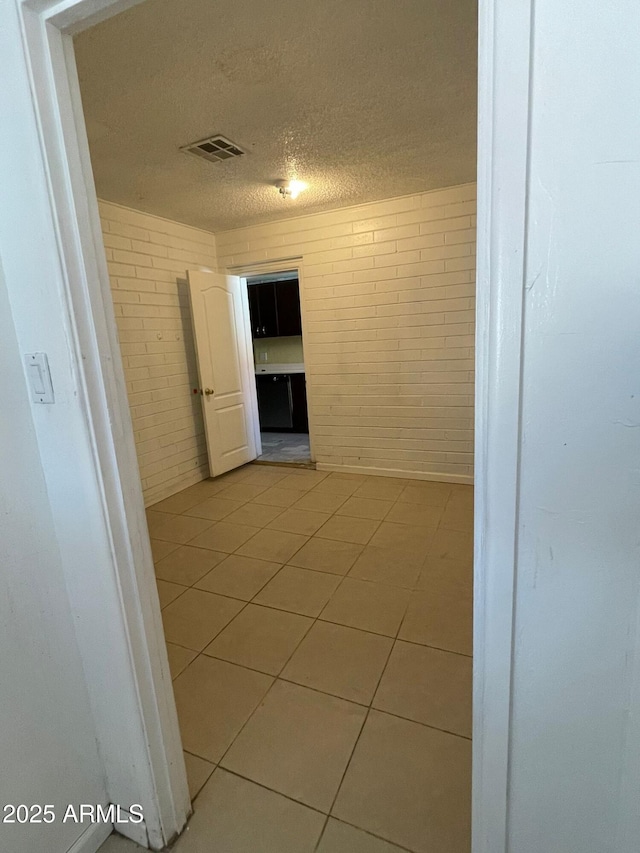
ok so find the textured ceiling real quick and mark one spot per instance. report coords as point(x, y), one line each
point(362, 99)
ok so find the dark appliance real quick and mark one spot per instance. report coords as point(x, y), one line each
point(282, 402)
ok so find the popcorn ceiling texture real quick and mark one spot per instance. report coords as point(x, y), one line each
point(364, 100)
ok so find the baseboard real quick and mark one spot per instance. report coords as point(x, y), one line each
point(92, 838)
point(466, 479)
point(133, 831)
point(97, 833)
point(197, 477)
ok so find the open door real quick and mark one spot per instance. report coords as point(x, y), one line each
point(225, 368)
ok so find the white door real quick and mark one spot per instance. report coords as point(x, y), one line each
point(225, 367)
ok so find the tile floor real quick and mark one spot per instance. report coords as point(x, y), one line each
point(285, 447)
point(319, 636)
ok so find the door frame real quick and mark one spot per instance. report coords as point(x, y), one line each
point(504, 107)
point(115, 605)
point(63, 176)
point(282, 265)
point(253, 391)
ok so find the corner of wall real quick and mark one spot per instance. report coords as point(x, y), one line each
point(147, 258)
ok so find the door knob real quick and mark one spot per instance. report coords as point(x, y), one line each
point(208, 391)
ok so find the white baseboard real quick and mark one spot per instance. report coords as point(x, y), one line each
point(133, 831)
point(92, 838)
point(196, 477)
point(436, 477)
point(97, 833)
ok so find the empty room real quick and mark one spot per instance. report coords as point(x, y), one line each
point(287, 204)
point(237, 279)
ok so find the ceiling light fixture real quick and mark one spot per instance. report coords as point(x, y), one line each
point(290, 189)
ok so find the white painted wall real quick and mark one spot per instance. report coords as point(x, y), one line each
point(147, 258)
point(59, 302)
point(388, 310)
point(575, 771)
point(48, 746)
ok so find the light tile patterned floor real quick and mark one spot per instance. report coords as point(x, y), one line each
point(319, 635)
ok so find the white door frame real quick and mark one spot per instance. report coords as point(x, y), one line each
point(253, 390)
point(503, 157)
point(86, 303)
point(108, 561)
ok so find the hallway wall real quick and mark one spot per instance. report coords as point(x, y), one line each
point(388, 299)
point(574, 740)
point(147, 258)
point(48, 739)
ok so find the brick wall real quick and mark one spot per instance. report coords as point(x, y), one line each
point(147, 259)
point(388, 299)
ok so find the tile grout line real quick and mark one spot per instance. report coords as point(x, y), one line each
point(347, 574)
point(318, 618)
point(280, 677)
point(344, 773)
point(355, 745)
point(276, 678)
point(322, 832)
point(304, 805)
point(366, 832)
point(348, 764)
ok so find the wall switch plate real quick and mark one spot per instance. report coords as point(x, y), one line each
point(264, 356)
point(39, 377)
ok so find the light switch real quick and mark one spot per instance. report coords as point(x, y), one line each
point(39, 377)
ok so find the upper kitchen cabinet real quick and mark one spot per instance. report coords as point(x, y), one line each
point(288, 307)
point(262, 309)
point(274, 308)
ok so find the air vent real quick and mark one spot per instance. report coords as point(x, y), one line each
point(216, 148)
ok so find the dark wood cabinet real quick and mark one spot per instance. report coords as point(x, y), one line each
point(274, 308)
point(262, 309)
point(255, 293)
point(299, 414)
point(288, 308)
point(254, 311)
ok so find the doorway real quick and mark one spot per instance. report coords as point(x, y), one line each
point(278, 353)
point(364, 498)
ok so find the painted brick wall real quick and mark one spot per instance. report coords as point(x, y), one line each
point(388, 299)
point(147, 258)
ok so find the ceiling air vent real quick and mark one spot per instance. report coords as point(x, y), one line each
point(215, 148)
